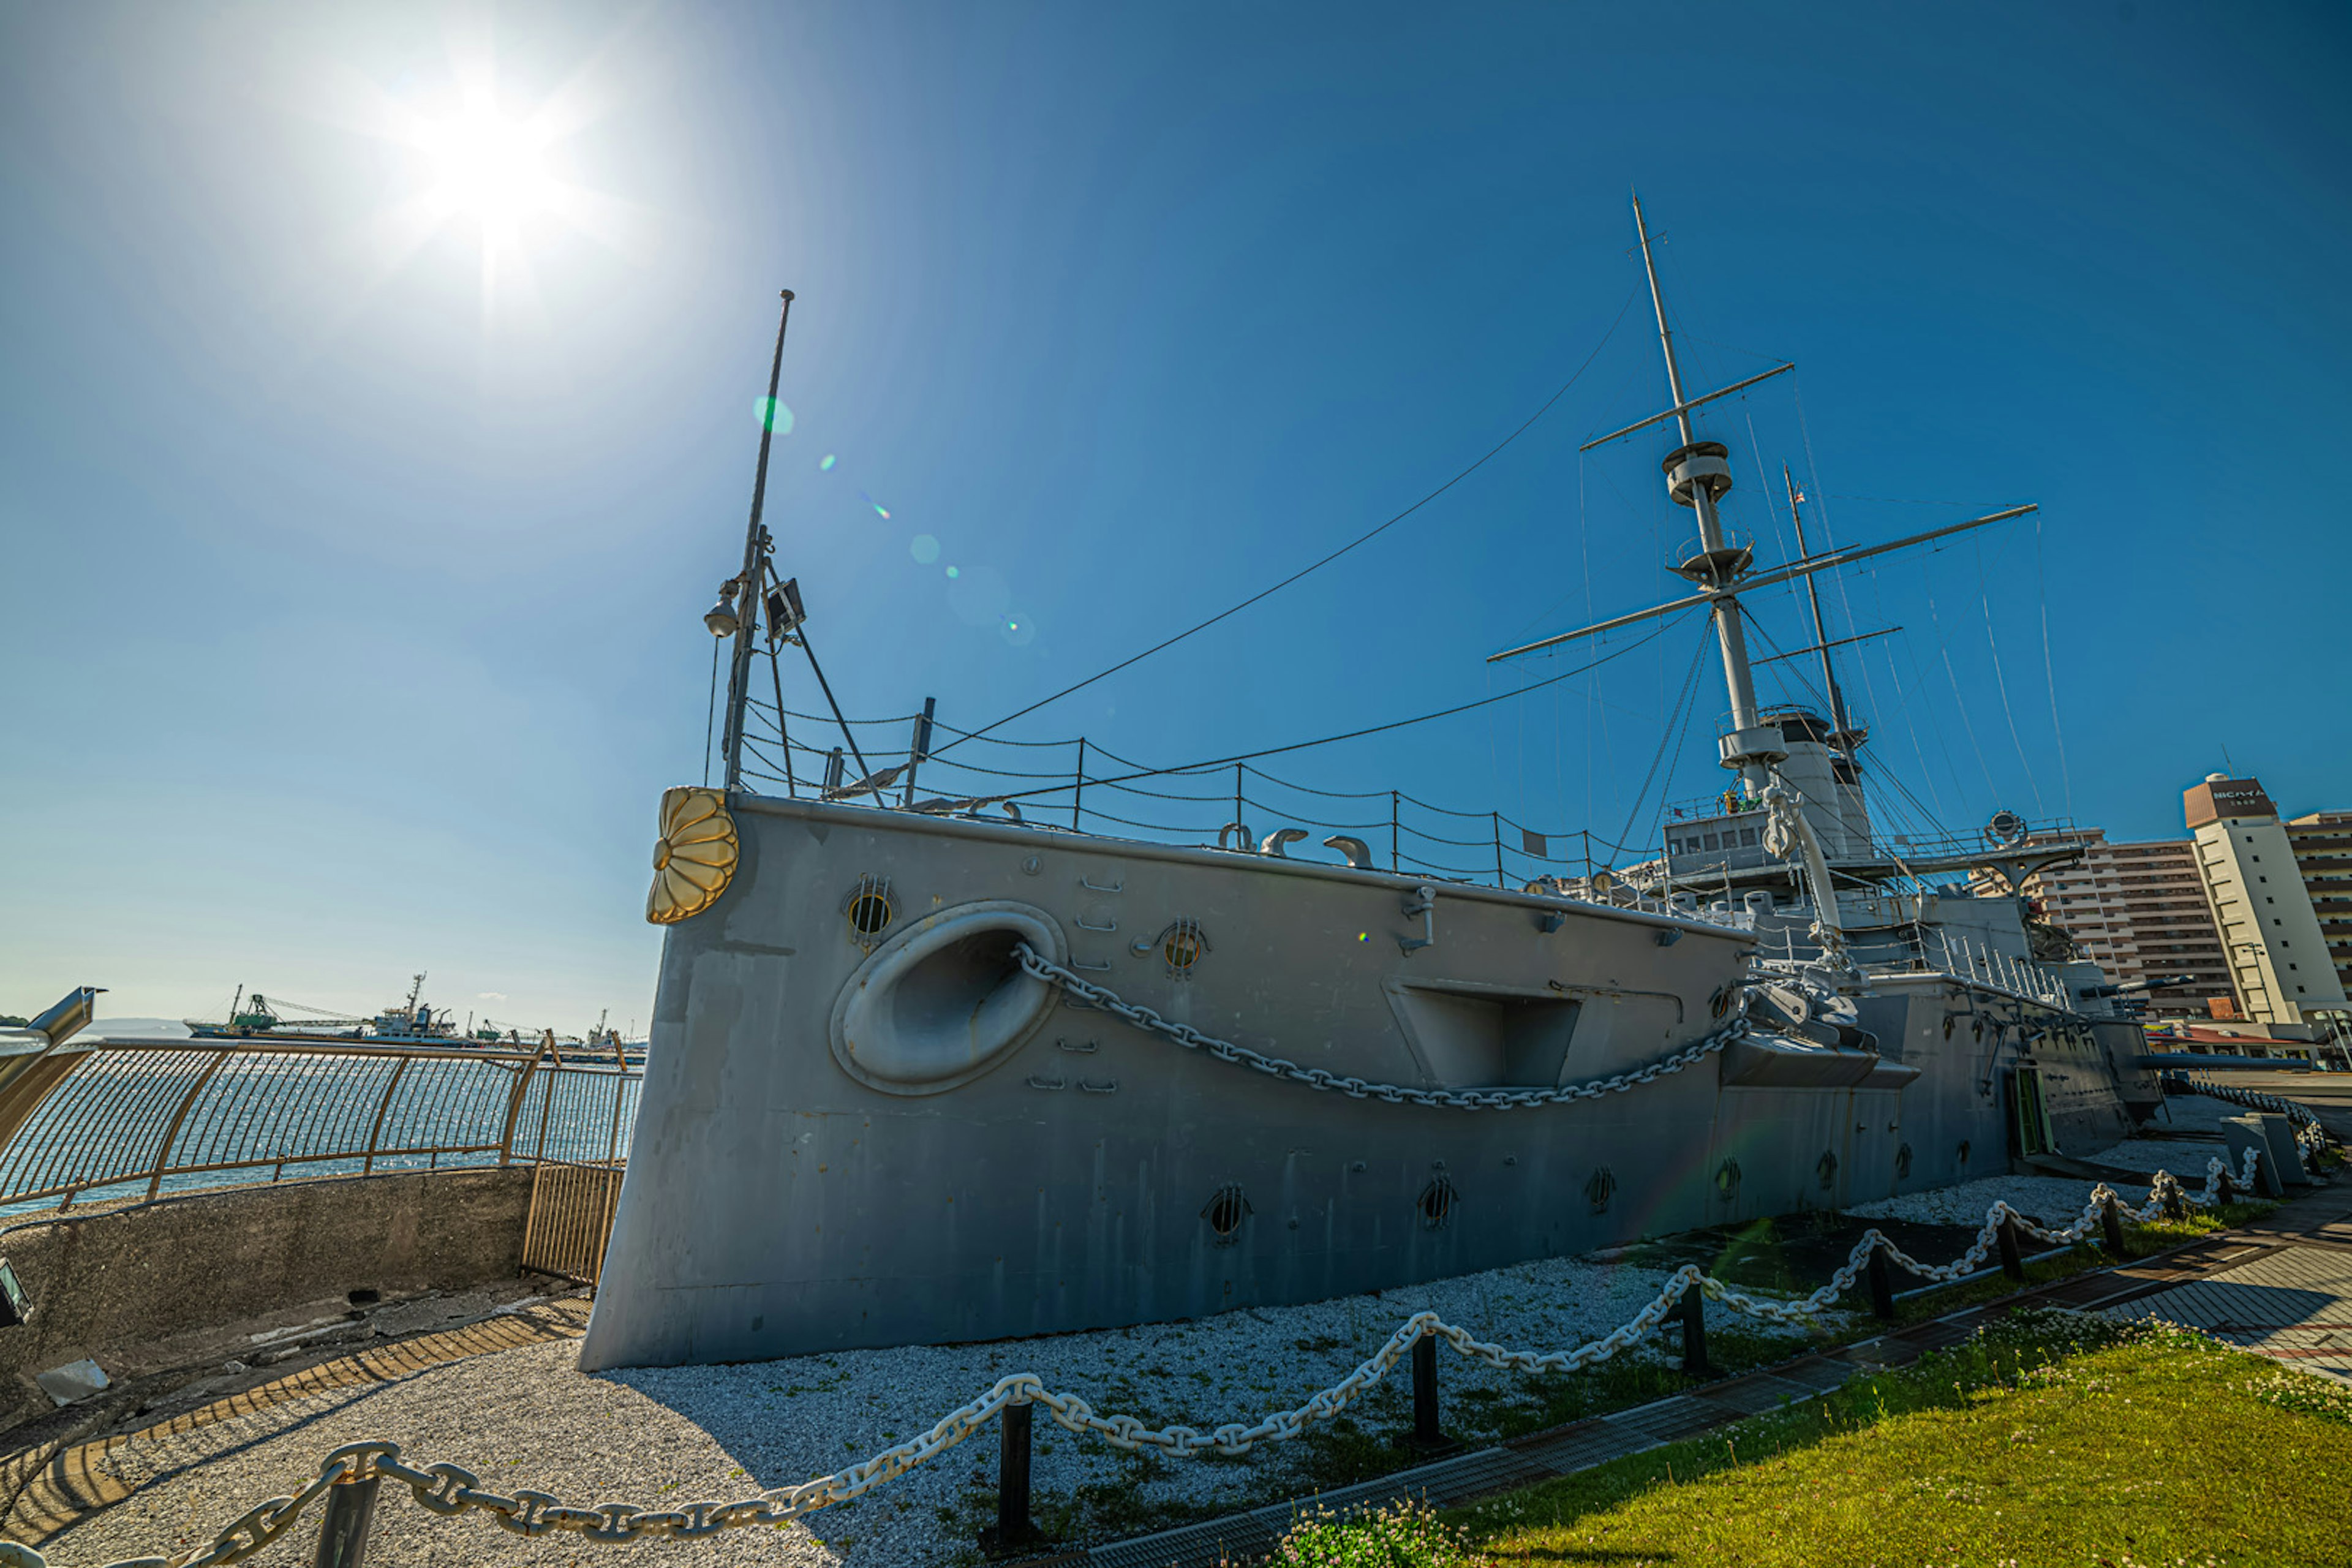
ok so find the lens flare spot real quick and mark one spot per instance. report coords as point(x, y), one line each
point(925, 549)
point(953, 573)
point(826, 467)
point(1020, 630)
point(771, 414)
point(879, 509)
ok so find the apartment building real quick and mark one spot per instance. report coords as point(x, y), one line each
point(2322, 845)
point(2280, 960)
point(2139, 911)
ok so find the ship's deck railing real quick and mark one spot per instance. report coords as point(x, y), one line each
point(1077, 786)
point(137, 1120)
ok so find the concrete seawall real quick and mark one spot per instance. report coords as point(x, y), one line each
point(135, 1289)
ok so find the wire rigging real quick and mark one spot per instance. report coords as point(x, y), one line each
point(2049, 672)
point(2000, 683)
point(1360, 540)
point(1227, 761)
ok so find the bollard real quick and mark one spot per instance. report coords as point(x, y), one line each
point(343, 1533)
point(2225, 1191)
point(2175, 1207)
point(1425, 1434)
point(1014, 1529)
point(2013, 1258)
point(1881, 1285)
point(1693, 1312)
point(2111, 1226)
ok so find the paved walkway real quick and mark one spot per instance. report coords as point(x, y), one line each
point(53, 1485)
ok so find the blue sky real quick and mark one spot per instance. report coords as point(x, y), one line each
point(353, 587)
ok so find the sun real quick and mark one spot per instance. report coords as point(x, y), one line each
point(489, 167)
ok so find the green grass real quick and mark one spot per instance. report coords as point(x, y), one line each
point(2051, 1438)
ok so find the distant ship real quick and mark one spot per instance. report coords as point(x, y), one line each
point(410, 1023)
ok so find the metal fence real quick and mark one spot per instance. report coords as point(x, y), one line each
point(135, 1119)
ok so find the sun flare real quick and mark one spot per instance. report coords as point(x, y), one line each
point(488, 167)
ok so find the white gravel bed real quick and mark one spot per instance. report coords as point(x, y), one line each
point(2059, 1199)
point(660, 1436)
point(2051, 1199)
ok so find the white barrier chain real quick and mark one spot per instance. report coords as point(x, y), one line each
point(2307, 1131)
point(450, 1490)
point(1192, 1040)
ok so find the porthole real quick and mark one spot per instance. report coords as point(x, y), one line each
point(1826, 1169)
point(1224, 1211)
point(1718, 1005)
point(1727, 1181)
point(869, 910)
point(1436, 1203)
point(1182, 945)
point(1599, 1188)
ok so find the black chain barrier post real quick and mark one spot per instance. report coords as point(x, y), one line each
point(343, 1533)
point(1881, 1285)
point(2111, 1226)
point(1693, 1317)
point(1425, 1434)
point(2174, 1207)
point(1014, 1527)
point(2225, 1190)
point(2013, 1258)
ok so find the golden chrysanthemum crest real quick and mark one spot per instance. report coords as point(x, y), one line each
point(695, 857)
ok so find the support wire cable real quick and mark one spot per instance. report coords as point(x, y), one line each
point(1360, 540)
point(1665, 627)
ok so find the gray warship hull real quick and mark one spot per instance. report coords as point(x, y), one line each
point(866, 1124)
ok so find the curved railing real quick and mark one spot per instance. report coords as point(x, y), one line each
point(136, 1119)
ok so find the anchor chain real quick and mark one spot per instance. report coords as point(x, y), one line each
point(1192, 1039)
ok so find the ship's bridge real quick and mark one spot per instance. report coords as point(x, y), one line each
point(1725, 833)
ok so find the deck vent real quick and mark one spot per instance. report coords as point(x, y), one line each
point(869, 910)
point(1599, 1188)
point(1436, 1203)
point(1826, 1169)
point(1225, 1211)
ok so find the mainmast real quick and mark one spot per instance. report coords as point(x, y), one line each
point(1698, 476)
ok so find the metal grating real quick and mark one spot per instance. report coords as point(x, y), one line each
point(1243, 1535)
point(1667, 1420)
point(1583, 1446)
point(1757, 1394)
point(1817, 1372)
